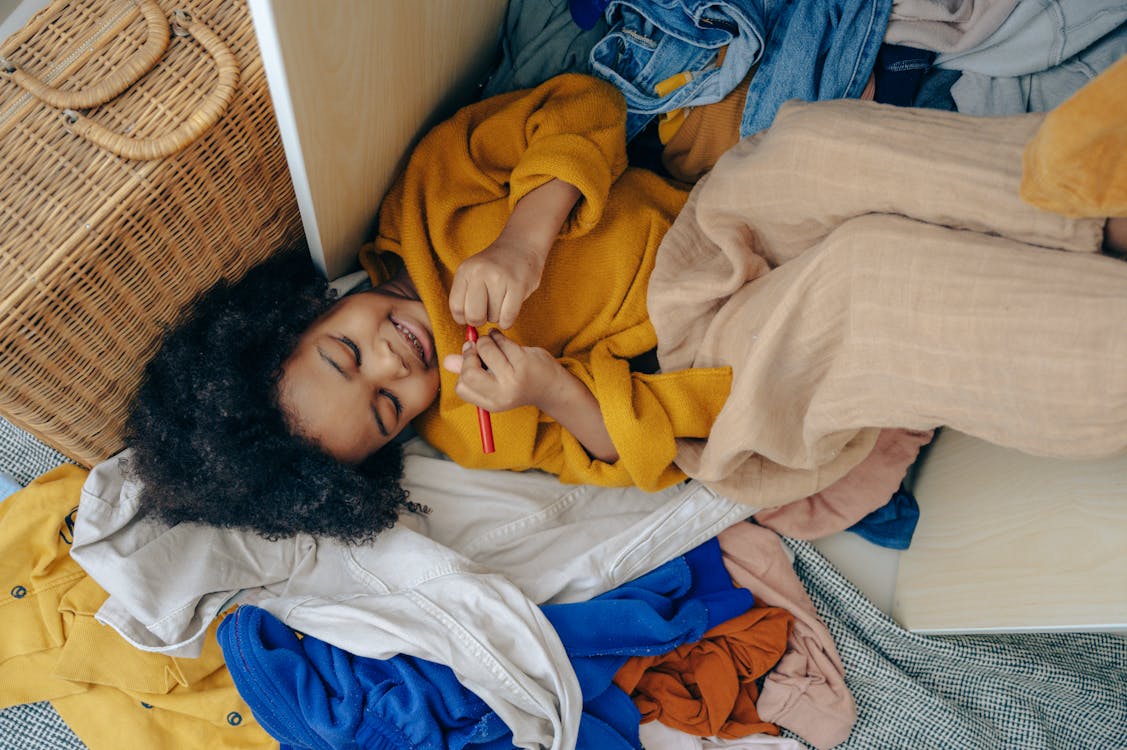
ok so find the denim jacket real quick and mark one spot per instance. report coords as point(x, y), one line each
point(805, 49)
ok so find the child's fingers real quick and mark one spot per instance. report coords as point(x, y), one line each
point(470, 395)
point(510, 308)
point(496, 303)
point(471, 361)
point(472, 371)
point(476, 385)
point(477, 304)
point(508, 347)
point(458, 298)
point(476, 369)
point(497, 292)
point(491, 354)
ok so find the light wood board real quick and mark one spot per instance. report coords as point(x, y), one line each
point(355, 83)
point(1008, 541)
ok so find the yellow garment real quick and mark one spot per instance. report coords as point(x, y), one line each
point(111, 694)
point(453, 200)
point(1076, 163)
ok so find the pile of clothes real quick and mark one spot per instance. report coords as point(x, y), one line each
point(1002, 57)
point(520, 612)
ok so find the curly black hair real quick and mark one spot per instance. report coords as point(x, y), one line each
point(210, 442)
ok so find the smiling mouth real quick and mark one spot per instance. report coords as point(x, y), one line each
point(413, 340)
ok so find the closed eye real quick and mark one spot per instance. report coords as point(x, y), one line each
point(380, 424)
point(395, 402)
point(353, 348)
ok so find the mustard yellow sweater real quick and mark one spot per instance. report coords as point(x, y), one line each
point(454, 198)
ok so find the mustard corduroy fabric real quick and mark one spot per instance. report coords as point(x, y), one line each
point(453, 200)
point(1076, 163)
point(111, 694)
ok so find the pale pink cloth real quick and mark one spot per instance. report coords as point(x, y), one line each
point(805, 692)
point(868, 485)
point(862, 266)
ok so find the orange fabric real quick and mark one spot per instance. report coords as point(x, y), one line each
point(708, 688)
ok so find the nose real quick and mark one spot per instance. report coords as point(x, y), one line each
point(386, 364)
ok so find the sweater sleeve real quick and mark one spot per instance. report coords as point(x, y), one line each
point(575, 131)
point(643, 414)
point(464, 177)
point(571, 127)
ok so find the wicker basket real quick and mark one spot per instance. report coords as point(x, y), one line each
point(112, 218)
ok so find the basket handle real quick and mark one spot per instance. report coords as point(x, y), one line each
point(196, 125)
point(142, 61)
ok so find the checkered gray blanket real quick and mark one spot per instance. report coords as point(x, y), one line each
point(1029, 691)
point(990, 692)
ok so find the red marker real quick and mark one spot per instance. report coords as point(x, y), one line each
point(484, 424)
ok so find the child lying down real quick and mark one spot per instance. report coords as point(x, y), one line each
point(854, 268)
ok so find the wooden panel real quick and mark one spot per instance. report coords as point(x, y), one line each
point(869, 567)
point(1008, 541)
point(355, 83)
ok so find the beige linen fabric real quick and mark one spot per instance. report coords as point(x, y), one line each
point(863, 266)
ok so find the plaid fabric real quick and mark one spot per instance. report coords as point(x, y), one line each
point(22, 457)
point(1039, 691)
point(1018, 692)
point(35, 726)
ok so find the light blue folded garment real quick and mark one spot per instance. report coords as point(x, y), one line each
point(1039, 35)
point(990, 96)
point(810, 50)
point(8, 485)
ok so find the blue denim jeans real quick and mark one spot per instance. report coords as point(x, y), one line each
point(805, 49)
point(899, 70)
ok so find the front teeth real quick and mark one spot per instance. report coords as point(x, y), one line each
point(414, 341)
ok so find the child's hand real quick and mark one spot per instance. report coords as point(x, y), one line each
point(492, 285)
point(499, 374)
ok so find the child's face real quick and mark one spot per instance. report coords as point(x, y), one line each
point(360, 374)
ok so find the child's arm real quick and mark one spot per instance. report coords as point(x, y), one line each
point(515, 375)
point(493, 284)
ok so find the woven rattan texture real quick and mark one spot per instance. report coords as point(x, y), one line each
point(98, 252)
